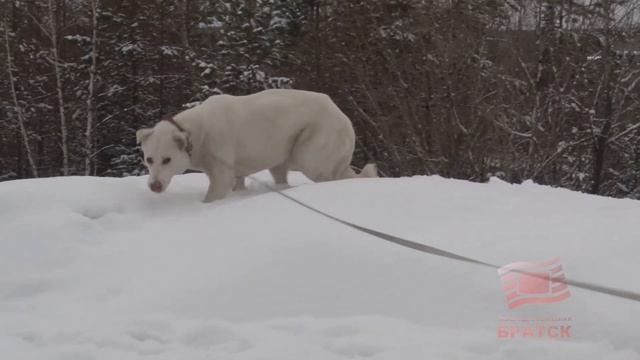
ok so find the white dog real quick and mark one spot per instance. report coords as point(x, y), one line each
point(230, 137)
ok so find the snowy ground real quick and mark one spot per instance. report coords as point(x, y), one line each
point(100, 268)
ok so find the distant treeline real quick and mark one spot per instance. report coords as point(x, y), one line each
point(521, 89)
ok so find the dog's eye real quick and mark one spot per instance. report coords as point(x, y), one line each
point(165, 161)
point(149, 160)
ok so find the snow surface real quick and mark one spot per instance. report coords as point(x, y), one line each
point(101, 268)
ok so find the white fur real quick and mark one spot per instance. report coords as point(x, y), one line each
point(235, 136)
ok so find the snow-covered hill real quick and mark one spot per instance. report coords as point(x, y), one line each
point(101, 268)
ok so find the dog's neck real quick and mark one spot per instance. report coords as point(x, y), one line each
point(189, 146)
point(175, 123)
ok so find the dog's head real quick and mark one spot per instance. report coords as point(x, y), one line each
point(166, 153)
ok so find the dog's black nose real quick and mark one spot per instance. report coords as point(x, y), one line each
point(156, 186)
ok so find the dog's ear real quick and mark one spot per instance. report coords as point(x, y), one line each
point(181, 140)
point(143, 134)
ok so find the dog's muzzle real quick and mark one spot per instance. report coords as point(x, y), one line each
point(156, 186)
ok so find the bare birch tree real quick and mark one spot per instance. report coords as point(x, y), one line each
point(91, 108)
point(52, 33)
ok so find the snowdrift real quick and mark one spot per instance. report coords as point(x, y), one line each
point(101, 268)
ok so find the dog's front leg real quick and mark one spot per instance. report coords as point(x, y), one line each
point(240, 185)
point(221, 180)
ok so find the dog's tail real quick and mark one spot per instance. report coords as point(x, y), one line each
point(368, 171)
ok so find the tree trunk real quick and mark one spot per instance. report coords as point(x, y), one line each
point(184, 23)
point(602, 137)
point(58, 74)
point(16, 103)
point(91, 108)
